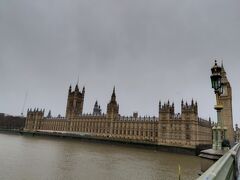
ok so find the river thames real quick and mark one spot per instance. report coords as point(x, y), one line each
point(40, 158)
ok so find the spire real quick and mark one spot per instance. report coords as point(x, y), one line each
point(224, 74)
point(97, 109)
point(76, 87)
point(113, 107)
point(223, 70)
point(159, 106)
point(70, 89)
point(49, 114)
point(83, 90)
point(113, 95)
point(78, 80)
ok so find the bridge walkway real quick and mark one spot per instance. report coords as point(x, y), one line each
point(226, 168)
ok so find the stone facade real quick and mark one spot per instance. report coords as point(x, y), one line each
point(226, 101)
point(179, 130)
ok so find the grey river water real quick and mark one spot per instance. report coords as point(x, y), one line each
point(40, 158)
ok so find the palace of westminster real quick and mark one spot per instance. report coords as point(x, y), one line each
point(185, 130)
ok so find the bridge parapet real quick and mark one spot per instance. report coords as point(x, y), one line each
point(226, 168)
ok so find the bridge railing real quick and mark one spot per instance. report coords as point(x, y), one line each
point(226, 168)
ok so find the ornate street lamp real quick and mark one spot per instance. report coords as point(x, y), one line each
point(218, 130)
point(216, 79)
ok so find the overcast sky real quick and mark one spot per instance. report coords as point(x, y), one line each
point(150, 50)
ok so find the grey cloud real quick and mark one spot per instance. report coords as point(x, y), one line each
point(149, 49)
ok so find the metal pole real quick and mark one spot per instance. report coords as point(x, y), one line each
point(214, 146)
point(220, 135)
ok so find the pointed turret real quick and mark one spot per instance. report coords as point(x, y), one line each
point(97, 109)
point(196, 106)
point(159, 106)
point(113, 107)
point(182, 103)
point(49, 114)
point(83, 91)
point(190, 108)
point(223, 70)
point(69, 90)
point(166, 111)
point(224, 74)
point(76, 88)
point(113, 98)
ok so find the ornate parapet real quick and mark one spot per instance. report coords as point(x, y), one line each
point(140, 119)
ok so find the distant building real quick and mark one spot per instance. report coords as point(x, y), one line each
point(8, 122)
point(179, 130)
point(97, 109)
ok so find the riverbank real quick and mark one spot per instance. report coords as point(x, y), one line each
point(109, 140)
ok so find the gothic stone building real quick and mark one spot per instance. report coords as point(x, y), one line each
point(179, 130)
point(226, 101)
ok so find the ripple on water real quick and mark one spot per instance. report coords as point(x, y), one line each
point(27, 158)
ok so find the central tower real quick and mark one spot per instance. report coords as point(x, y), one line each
point(75, 102)
point(113, 107)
